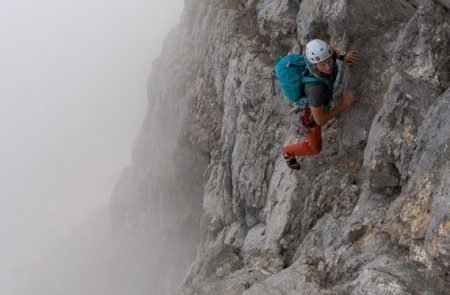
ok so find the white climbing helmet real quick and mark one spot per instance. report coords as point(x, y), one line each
point(318, 51)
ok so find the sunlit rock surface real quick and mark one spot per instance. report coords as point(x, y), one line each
point(208, 185)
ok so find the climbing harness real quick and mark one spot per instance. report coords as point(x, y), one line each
point(301, 117)
point(304, 20)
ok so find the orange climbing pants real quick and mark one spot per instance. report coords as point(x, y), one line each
point(311, 146)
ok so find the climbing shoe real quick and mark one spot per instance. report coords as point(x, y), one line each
point(292, 163)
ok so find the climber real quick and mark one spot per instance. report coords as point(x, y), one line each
point(321, 59)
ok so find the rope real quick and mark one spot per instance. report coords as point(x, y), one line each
point(304, 20)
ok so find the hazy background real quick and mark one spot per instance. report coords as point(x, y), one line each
point(73, 95)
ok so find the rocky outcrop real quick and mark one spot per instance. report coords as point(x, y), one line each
point(208, 185)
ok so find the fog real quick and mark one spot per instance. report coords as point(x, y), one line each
point(73, 96)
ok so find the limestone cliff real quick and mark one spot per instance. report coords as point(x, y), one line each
point(208, 185)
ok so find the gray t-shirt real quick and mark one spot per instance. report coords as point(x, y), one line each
point(318, 94)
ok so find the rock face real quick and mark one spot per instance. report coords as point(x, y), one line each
point(208, 185)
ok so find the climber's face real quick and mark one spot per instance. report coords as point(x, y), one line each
point(325, 67)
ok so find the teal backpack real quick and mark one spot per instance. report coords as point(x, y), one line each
point(291, 71)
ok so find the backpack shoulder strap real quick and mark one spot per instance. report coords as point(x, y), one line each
point(309, 79)
point(318, 78)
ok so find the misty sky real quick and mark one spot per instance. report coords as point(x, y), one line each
point(72, 90)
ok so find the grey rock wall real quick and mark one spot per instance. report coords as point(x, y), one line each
point(208, 185)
